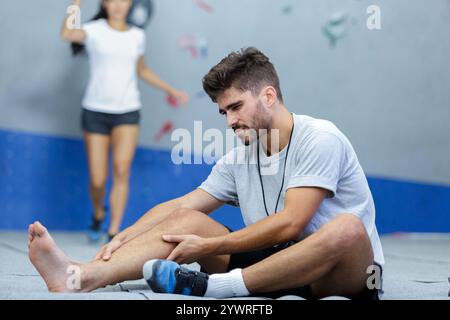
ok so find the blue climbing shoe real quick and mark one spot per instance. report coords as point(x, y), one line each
point(165, 276)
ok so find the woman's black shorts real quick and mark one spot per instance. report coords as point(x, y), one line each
point(104, 123)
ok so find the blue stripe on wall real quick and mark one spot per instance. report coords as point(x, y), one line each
point(45, 178)
point(410, 207)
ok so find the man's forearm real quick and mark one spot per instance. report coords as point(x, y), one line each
point(266, 233)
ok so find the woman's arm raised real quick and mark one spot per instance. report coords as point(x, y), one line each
point(70, 34)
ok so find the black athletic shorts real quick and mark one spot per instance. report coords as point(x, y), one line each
point(243, 260)
point(104, 123)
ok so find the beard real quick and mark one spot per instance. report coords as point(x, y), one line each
point(260, 125)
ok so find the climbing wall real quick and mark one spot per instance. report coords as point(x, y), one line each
point(387, 89)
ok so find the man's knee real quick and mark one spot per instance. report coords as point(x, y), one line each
point(193, 222)
point(182, 217)
point(347, 231)
point(186, 214)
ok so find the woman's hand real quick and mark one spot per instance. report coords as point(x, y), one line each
point(180, 96)
point(108, 249)
point(71, 30)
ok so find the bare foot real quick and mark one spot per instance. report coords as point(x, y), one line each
point(53, 265)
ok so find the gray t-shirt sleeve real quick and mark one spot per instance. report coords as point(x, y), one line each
point(318, 163)
point(221, 184)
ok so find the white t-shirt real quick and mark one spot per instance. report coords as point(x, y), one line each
point(320, 156)
point(113, 57)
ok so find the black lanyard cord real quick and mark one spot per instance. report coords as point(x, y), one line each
point(284, 171)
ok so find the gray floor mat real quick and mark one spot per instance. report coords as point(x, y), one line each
point(416, 268)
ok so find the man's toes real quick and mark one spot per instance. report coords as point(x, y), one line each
point(31, 232)
point(39, 229)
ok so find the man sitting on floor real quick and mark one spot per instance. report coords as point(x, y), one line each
point(310, 223)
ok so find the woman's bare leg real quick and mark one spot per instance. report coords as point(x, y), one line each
point(124, 140)
point(97, 148)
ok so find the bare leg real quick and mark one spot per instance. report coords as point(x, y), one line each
point(97, 148)
point(127, 262)
point(333, 261)
point(124, 140)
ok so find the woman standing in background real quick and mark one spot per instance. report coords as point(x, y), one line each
point(111, 105)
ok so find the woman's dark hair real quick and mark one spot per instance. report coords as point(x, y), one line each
point(78, 48)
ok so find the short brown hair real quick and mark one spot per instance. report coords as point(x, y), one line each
point(247, 69)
